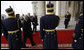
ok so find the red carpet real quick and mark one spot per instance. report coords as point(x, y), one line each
point(63, 37)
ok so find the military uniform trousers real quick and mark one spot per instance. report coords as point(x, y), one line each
point(50, 40)
point(78, 44)
point(14, 40)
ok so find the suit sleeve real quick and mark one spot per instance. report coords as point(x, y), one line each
point(41, 28)
point(24, 26)
point(20, 24)
point(37, 20)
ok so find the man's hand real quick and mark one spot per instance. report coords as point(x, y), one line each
point(42, 39)
point(73, 35)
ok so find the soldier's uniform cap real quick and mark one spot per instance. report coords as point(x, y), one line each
point(10, 11)
point(50, 8)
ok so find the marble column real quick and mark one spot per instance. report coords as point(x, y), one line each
point(34, 5)
point(59, 8)
point(40, 9)
point(72, 8)
point(62, 8)
point(81, 5)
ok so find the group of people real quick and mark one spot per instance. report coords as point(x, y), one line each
point(12, 32)
point(34, 20)
point(11, 28)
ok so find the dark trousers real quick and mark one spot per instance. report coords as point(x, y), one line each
point(66, 22)
point(78, 44)
point(66, 25)
point(28, 35)
point(34, 28)
point(14, 41)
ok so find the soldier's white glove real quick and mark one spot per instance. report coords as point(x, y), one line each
point(75, 40)
point(21, 29)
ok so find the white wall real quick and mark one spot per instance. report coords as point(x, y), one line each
point(21, 7)
point(63, 8)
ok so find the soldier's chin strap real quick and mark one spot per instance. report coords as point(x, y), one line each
point(50, 13)
point(11, 12)
point(50, 8)
point(11, 16)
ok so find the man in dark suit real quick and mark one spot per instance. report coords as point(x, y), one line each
point(35, 22)
point(27, 30)
point(67, 19)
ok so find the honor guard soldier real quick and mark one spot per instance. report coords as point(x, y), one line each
point(78, 34)
point(19, 21)
point(11, 28)
point(48, 23)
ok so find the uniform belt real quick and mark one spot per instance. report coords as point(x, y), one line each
point(51, 30)
point(13, 31)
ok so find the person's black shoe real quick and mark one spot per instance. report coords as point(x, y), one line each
point(25, 47)
point(66, 27)
point(33, 44)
